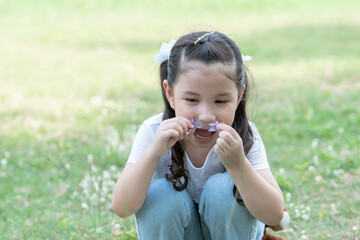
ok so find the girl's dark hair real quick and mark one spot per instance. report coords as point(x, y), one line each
point(214, 48)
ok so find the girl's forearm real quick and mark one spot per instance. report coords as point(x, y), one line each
point(264, 201)
point(130, 190)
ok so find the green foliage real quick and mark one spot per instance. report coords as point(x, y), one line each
point(77, 79)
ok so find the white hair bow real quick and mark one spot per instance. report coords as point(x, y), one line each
point(164, 52)
point(246, 58)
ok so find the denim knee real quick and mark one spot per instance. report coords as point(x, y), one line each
point(219, 210)
point(217, 194)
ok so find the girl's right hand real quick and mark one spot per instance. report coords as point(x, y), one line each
point(168, 133)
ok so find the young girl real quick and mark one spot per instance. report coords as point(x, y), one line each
point(199, 169)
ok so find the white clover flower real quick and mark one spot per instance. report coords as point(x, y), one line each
point(340, 130)
point(303, 237)
point(113, 168)
point(67, 166)
point(281, 171)
point(3, 163)
point(354, 228)
point(288, 196)
point(90, 158)
point(316, 160)
point(315, 143)
point(7, 154)
point(106, 175)
point(333, 207)
point(84, 205)
point(318, 178)
point(330, 148)
point(305, 217)
point(311, 168)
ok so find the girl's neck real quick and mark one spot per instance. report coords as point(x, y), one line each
point(197, 155)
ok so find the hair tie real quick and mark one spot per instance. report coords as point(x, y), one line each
point(164, 52)
point(203, 36)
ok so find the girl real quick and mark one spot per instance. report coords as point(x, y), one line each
point(199, 169)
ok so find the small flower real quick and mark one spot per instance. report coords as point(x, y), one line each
point(330, 148)
point(7, 154)
point(314, 143)
point(316, 160)
point(318, 178)
point(84, 205)
point(195, 124)
point(3, 163)
point(213, 127)
point(288, 196)
point(67, 166)
point(340, 130)
point(333, 207)
point(311, 168)
point(281, 171)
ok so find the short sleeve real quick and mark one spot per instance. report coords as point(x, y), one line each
point(257, 153)
point(141, 141)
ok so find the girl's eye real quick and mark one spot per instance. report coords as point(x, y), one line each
point(220, 101)
point(191, 100)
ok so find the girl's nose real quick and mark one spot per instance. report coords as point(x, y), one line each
point(206, 114)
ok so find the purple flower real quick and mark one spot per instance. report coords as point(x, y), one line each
point(213, 127)
point(195, 124)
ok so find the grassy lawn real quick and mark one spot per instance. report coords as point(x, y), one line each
point(77, 79)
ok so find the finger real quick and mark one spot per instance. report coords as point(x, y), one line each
point(186, 124)
point(173, 137)
point(224, 145)
point(228, 138)
point(218, 150)
point(223, 127)
point(180, 129)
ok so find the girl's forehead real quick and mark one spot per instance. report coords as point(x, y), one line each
point(200, 68)
point(207, 77)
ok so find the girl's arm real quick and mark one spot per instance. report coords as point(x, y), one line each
point(260, 193)
point(258, 189)
point(132, 186)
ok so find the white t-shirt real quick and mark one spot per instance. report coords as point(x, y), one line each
point(198, 176)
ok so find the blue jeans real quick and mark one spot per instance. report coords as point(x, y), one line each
point(168, 214)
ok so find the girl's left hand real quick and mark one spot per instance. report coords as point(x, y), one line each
point(229, 147)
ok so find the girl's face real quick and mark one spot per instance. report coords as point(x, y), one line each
point(205, 93)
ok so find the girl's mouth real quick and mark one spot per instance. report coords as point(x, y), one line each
point(203, 136)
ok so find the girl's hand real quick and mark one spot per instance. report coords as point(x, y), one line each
point(229, 147)
point(168, 133)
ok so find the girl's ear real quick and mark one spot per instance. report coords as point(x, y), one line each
point(169, 93)
point(241, 94)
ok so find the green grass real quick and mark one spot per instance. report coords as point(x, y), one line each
point(77, 78)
